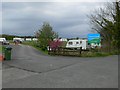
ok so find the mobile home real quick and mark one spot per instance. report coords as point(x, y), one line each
point(77, 44)
point(18, 40)
point(28, 39)
point(63, 39)
point(35, 39)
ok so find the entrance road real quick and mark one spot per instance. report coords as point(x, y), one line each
point(29, 68)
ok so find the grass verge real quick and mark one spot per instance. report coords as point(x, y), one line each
point(2, 49)
point(95, 54)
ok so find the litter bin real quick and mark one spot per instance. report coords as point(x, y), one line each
point(8, 53)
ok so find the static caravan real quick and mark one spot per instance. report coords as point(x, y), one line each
point(77, 44)
point(35, 39)
point(22, 39)
point(17, 40)
point(28, 39)
point(63, 39)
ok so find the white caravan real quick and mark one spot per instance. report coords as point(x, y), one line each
point(17, 39)
point(35, 39)
point(77, 44)
point(28, 39)
point(61, 39)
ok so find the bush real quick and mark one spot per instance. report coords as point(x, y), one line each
point(94, 54)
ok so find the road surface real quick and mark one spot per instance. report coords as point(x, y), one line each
point(29, 68)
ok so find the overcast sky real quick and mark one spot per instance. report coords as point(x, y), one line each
point(69, 19)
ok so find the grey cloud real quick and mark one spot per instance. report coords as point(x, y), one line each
point(68, 19)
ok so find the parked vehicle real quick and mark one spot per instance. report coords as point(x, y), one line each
point(3, 41)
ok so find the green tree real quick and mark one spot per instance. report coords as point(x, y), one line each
point(45, 35)
point(117, 25)
point(8, 37)
point(106, 21)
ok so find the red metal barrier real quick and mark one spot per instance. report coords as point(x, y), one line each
point(1, 57)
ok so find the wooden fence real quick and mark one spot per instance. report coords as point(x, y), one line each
point(66, 51)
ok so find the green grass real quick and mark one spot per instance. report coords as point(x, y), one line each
point(2, 49)
point(84, 54)
point(94, 54)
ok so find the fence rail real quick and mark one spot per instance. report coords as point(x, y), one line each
point(65, 51)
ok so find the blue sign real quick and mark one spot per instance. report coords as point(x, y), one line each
point(94, 38)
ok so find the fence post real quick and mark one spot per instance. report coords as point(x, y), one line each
point(58, 52)
point(80, 50)
point(48, 49)
point(63, 51)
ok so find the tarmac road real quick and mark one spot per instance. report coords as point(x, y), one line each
point(29, 68)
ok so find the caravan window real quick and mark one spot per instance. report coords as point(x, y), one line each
point(80, 42)
point(77, 42)
point(70, 43)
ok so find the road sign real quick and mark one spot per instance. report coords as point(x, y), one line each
point(94, 38)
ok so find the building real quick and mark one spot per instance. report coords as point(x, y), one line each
point(61, 39)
